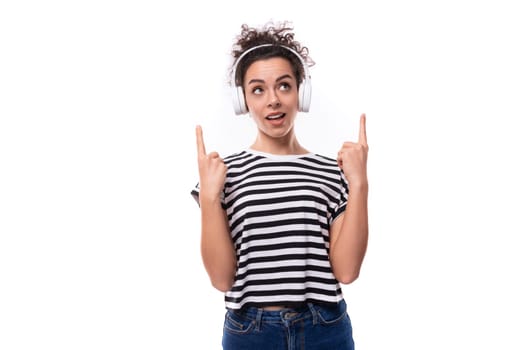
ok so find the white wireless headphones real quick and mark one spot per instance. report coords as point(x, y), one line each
point(305, 87)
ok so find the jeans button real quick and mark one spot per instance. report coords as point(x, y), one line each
point(289, 315)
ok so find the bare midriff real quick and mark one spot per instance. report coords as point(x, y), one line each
point(274, 308)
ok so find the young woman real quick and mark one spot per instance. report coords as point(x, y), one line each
point(281, 227)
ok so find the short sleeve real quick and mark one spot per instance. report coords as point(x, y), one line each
point(195, 194)
point(343, 197)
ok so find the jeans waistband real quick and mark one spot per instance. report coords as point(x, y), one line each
point(305, 310)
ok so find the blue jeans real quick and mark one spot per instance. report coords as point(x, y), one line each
point(310, 327)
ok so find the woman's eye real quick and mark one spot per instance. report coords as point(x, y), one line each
point(284, 86)
point(257, 91)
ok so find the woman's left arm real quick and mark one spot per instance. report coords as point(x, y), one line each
point(349, 232)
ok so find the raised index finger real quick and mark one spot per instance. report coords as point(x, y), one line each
point(201, 149)
point(362, 130)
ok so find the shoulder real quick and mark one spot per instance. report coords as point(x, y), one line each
point(322, 161)
point(238, 159)
point(235, 156)
point(327, 165)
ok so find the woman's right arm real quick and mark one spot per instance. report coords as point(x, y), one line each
point(217, 250)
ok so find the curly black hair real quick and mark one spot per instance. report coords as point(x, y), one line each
point(277, 34)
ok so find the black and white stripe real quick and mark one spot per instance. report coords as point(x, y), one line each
point(280, 209)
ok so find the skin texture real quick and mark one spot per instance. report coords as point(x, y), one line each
point(272, 98)
point(217, 250)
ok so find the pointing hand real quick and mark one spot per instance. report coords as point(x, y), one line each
point(212, 170)
point(352, 157)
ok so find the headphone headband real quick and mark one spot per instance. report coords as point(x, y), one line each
point(305, 90)
point(303, 63)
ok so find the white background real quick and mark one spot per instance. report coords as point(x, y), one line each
point(99, 236)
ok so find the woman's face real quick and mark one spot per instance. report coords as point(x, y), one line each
point(271, 95)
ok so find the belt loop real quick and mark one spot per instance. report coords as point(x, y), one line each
point(314, 313)
point(258, 319)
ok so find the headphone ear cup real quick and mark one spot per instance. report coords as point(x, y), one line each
point(239, 104)
point(305, 95)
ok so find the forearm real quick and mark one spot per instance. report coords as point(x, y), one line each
point(217, 250)
point(349, 244)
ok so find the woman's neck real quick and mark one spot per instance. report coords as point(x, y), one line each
point(278, 146)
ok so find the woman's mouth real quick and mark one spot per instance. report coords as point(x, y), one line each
point(275, 116)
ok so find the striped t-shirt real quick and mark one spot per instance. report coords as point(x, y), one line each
point(280, 208)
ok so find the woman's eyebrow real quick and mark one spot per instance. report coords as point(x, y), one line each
point(284, 77)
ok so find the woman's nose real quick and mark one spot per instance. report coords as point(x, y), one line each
point(274, 101)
